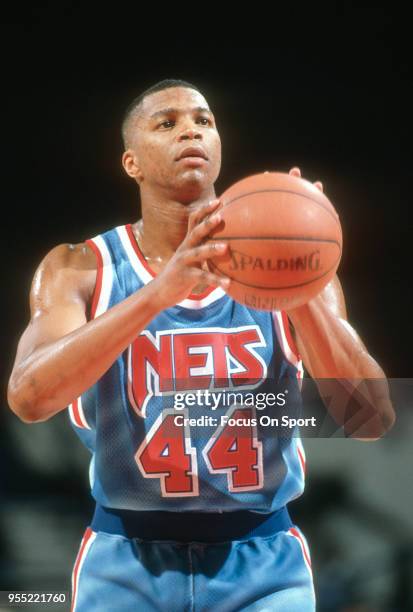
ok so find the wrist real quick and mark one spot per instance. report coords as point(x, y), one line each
point(302, 313)
point(157, 296)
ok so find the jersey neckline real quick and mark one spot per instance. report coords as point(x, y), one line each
point(147, 274)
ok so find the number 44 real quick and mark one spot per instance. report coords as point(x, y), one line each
point(166, 453)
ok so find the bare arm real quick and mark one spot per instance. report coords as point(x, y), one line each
point(60, 354)
point(351, 383)
point(335, 356)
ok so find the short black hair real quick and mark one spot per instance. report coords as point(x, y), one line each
point(136, 102)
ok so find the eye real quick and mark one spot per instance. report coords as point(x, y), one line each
point(204, 121)
point(167, 124)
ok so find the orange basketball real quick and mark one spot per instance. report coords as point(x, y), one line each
point(285, 241)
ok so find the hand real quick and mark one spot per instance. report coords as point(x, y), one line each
point(184, 270)
point(297, 172)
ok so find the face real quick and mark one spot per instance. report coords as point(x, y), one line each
point(174, 143)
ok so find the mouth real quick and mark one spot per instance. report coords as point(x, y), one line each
point(194, 154)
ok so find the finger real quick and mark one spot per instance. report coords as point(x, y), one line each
point(295, 171)
point(205, 251)
point(319, 185)
point(198, 215)
point(201, 231)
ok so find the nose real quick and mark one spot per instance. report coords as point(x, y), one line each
point(190, 133)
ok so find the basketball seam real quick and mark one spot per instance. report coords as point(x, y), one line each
point(302, 238)
point(271, 288)
point(250, 193)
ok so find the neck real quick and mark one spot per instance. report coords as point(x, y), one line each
point(164, 224)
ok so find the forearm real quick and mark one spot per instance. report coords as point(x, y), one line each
point(330, 345)
point(351, 383)
point(55, 373)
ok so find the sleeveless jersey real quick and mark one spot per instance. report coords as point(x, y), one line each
point(156, 440)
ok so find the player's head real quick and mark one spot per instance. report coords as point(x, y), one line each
point(160, 128)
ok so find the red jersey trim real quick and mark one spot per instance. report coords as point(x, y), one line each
point(297, 535)
point(76, 415)
point(289, 338)
point(87, 540)
point(136, 248)
point(302, 460)
point(98, 285)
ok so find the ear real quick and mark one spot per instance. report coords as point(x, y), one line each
point(130, 162)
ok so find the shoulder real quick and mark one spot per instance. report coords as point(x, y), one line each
point(70, 256)
point(70, 268)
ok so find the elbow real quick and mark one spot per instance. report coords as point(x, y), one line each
point(371, 410)
point(22, 409)
point(389, 419)
point(23, 406)
point(386, 416)
point(377, 428)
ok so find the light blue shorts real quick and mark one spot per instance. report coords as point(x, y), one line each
point(114, 573)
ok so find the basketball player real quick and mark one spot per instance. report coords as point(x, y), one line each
point(123, 321)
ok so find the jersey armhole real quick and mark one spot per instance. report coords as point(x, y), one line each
point(289, 336)
point(98, 284)
point(288, 346)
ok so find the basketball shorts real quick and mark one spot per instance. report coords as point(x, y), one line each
point(128, 563)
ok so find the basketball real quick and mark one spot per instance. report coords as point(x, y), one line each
point(285, 241)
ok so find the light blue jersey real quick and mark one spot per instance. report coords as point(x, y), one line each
point(144, 457)
point(190, 491)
